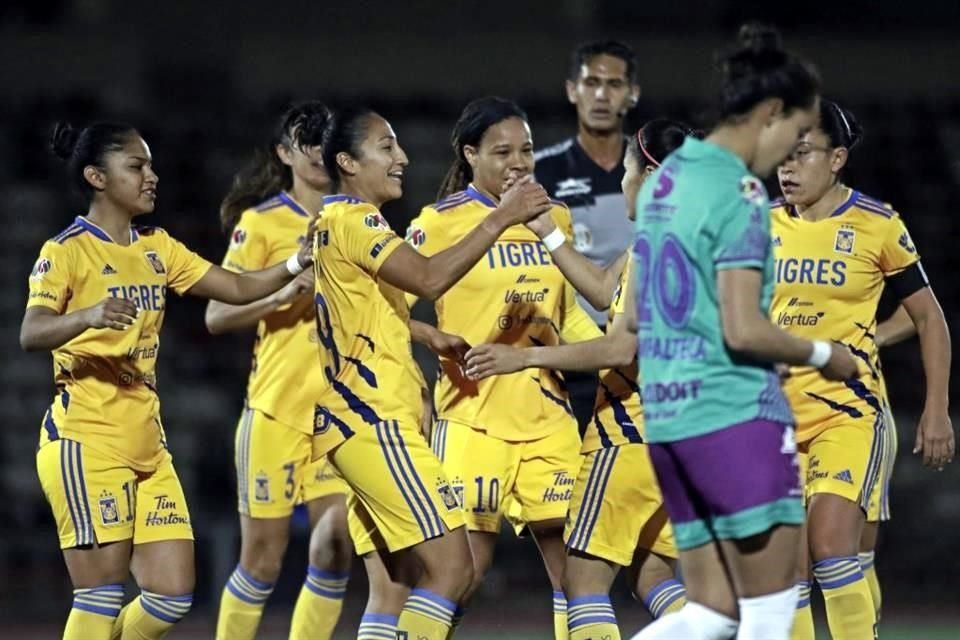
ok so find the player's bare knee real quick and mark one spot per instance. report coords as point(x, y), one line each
point(262, 557)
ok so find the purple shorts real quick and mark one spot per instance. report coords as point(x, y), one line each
point(730, 484)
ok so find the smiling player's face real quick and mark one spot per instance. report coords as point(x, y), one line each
point(381, 163)
point(128, 178)
point(505, 153)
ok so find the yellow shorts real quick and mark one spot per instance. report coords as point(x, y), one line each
point(617, 507)
point(534, 479)
point(879, 508)
point(274, 468)
point(846, 460)
point(97, 499)
point(400, 495)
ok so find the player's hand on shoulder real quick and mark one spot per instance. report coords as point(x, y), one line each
point(488, 360)
point(112, 313)
point(524, 200)
point(841, 365)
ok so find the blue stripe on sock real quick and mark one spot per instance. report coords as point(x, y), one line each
point(834, 573)
point(663, 595)
point(170, 609)
point(327, 575)
point(109, 612)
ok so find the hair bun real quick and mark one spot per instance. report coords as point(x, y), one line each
point(759, 38)
point(63, 139)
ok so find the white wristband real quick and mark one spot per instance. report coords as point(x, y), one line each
point(553, 240)
point(820, 355)
point(294, 266)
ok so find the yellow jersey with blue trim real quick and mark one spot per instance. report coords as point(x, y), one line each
point(362, 326)
point(106, 379)
point(284, 380)
point(829, 277)
point(514, 295)
point(618, 410)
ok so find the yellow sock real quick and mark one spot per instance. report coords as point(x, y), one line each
point(846, 595)
point(151, 615)
point(241, 606)
point(667, 597)
point(117, 630)
point(377, 626)
point(592, 617)
point(803, 619)
point(870, 573)
point(93, 612)
point(426, 616)
point(560, 616)
point(319, 605)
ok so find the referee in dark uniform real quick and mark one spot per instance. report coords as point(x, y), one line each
point(585, 171)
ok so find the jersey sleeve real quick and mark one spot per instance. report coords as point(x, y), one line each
point(367, 240)
point(577, 325)
point(51, 279)
point(249, 245)
point(425, 234)
point(563, 219)
point(741, 235)
point(898, 251)
point(184, 267)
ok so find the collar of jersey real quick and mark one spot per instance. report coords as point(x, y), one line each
point(849, 202)
point(342, 197)
point(288, 200)
point(474, 193)
point(100, 233)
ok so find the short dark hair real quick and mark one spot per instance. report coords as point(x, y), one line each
point(759, 68)
point(840, 125)
point(588, 50)
point(657, 139)
point(345, 132)
point(88, 146)
point(301, 125)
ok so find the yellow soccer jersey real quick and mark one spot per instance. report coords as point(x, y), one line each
point(829, 277)
point(106, 379)
point(284, 379)
point(363, 326)
point(618, 410)
point(514, 295)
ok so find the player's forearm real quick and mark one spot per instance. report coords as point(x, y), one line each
point(224, 318)
point(241, 288)
point(935, 350)
point(49, 332)
point(600, 353)
point(755, 336)
point(897, 328)
point(444, 269)
point(422, 333)
point(594, 283)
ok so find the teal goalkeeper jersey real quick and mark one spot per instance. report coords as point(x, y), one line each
point(701, 212)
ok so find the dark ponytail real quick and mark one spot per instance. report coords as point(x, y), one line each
point(759, 69)
point(840, 125)
point(476, 118)
point(81, 148)
point(657, 139)
point(300, 126)
point(344, 134)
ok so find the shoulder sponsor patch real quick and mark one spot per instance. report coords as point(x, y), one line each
point(907, 243)
point(375, 221)
point(237, 238)
point(41, 268)
point(416, 236)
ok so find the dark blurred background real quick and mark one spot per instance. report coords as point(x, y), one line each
point(203, 82)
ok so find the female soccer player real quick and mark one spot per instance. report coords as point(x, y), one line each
point(616, 515)
point(513, 437)
point(720, 428)
point(97, 299)
point(367, 417)
point(267, 212)
point(835, 250)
